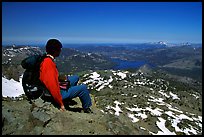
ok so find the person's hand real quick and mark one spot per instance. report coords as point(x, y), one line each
point(62, 108)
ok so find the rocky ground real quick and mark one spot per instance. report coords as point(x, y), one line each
point(22, 118)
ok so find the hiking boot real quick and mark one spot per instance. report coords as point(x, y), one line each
point(88, 110)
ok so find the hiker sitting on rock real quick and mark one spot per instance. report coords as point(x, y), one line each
point(49, 76)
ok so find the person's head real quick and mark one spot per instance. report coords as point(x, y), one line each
point(53, 47)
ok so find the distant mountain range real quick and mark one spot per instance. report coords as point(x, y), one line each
point(69, 61)
point(182, 60)
point(178, 60)
point(138, 46)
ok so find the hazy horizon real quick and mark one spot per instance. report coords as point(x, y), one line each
point(92, 43)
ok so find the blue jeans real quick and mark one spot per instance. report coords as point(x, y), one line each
point(75, 90)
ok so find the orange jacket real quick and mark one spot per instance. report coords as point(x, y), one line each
point(49, 76)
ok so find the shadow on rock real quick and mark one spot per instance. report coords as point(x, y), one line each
point(76, 109)
point(67, 104)
point(71, 102)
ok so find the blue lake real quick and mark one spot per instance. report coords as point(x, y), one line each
point(124, 64)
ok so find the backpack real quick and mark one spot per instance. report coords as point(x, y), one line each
point(31, 83)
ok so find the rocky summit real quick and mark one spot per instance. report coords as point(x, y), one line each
point(19, 117)
point(124, 103)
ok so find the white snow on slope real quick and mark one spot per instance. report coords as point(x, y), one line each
point(11, 88)
point(161, 125)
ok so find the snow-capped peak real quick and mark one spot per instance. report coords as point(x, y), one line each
point(162, 43)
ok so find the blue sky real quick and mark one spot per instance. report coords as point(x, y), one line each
point(101, 22)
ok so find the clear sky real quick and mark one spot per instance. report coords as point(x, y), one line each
point(101, 22)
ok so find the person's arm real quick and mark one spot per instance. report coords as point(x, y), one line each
point(49, 76)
